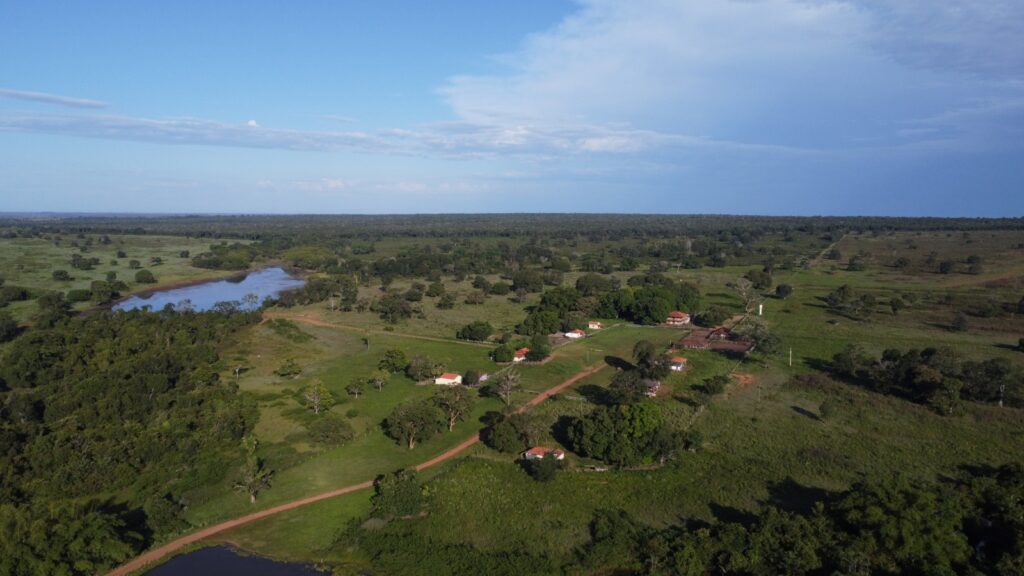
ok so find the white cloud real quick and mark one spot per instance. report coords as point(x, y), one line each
point(45, 98)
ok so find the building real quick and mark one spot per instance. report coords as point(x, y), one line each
point(651, 387)
point(677, 318)
point(539, 452)
point(520, 355)
point(574, 334)
point(594, 325)
point(678, 364)
point(448, 379)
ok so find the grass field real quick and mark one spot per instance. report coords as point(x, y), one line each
point(30, 262)
point(764, 439)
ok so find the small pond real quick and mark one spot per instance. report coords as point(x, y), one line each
point(248, 290)
point(223, 561)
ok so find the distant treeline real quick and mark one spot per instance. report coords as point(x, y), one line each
point(591, 226)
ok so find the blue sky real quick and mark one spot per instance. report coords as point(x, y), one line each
point(894, 107)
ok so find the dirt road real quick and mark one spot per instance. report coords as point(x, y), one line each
point(168, 549)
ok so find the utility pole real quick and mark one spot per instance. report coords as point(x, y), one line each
point(790, 357)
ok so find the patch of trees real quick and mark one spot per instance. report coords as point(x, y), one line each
point(223, 256)
point(128, 403)
point(340, 291)
point(477, 331)
point(626, 435)
point(936, 377)
point(848, 302)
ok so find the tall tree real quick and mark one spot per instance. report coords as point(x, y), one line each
point(505, 384)
point(456, 402)
point(254, 476)
point(318, 397)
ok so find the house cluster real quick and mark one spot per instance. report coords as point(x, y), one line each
point(716, 339)
point(677, 318)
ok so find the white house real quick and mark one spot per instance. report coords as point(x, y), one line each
point(520, 354)
point(677, 318)
point(678, 364)
point(539, 452)
point(594, 325)
point(574, 334)
point(448, 379)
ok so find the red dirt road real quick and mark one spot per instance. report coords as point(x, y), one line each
point(157, 554)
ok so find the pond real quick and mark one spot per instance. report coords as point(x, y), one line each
point(223, 561)
point(248, 290)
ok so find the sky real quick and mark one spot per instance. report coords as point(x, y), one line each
point(798, 107)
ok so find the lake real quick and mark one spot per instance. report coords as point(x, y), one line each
point(265, 283)
point(223, 561)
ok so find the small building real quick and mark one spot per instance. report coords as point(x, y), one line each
point(677, 318)
point(448, 379)
point(651, 387)
point(594, 325)
point(539, 452)
point(520, 354)
point(678, 364)
point(574, 334)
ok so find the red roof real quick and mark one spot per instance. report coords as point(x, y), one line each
point(522, 352)
point(542, 451)
point(449, 376)
point(678, 360)
point(678, 314)
point(578, 331)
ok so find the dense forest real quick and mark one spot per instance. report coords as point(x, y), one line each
point(107, 419)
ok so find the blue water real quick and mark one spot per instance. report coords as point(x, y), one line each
point(222, 561)
point(265, 283)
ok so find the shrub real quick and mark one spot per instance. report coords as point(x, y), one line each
point(145, 277)
point(331, 430)
point(477, 331)
point(62, 276)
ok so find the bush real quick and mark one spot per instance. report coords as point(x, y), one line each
point(145, 277)
point(446, 301)
point(8, 327)
point(397, 495)
point(500, 289)
point(477, 331)
point(544, 469)
point(503, 353)
point(330, 430)
point(78, 295)
point(62, 276)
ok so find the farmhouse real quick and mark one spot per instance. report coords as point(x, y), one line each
point(594, 325)
point(678, 364)
point(520, 354)
point(539, 452)
point(448, 379)
point(677, 318)
point(574, 334)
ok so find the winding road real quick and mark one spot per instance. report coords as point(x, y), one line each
point(168, 549)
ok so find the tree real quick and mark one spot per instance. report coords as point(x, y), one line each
point(503, 353)
point(8, 326)
point(505, 384)
point(331, 430)
point(289, 369)
point(456, 402)
point(747, 293)
point(62, 276)
point(145, 277)
point(393, 361)
point(435, 289)
point(393, 308)
point(318, 397)
point(356, 388)
point(422, 368)
point(52, 309)
point(946, 266)
point(960, 322)
point(413, 423)
point(539, 348)
point(254, 476)
point(378, 379)
point(397, 495)
point(446, 301)
point(476, 297)
point(783, 291)
point(713, 316)
point(896, 304)
point(543, 469)
point(477, 331)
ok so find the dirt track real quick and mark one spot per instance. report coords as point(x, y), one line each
point(168, 549)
